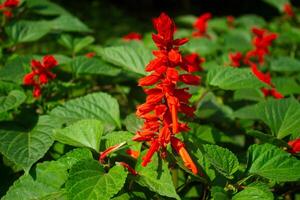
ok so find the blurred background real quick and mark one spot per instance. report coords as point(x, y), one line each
point(114, 18)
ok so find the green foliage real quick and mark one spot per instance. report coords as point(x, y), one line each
point(282, 116)
point(88, 180)
point(273, 163)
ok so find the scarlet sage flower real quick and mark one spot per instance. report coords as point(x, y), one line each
point(40, 74)
point(201, 25)
point(164, 98)
point(295, 146)
point(132, 36)
point(235, 59)
point(261, 42)
point(134, 154)
point(7, 6)
point(288, 10)
point(90, 54)
point(230, 21)
point(266, 78)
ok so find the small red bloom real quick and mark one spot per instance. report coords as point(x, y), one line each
point(288, 10)
point(40, 74)
point(272, 92)
point(201, 25)
point(266, 78)
point(230, 21)
point(90, 54)
point(192, 63)
point(7, 6)
point(261, 42)
point(295, 146)
point(235, 59)
point(132, 36)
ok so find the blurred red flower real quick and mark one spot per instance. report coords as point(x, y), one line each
point(201, 25)
point(132, 36)
point(40, 74)
point(295, 146)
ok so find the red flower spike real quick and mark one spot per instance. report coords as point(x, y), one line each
point(266, 78)
point(128, 167)
point(40, 74)
point(295, 146)
point(235, 59)
point(164, 99)
point(132, 36)
point(288, 10)
point(201, 25)
point(109, 150)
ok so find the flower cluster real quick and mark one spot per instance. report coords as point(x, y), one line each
point(40, 74)
point(165, 100)
point(7, 6)
point(288, 10)
point(132, 36)
point(201, 25)
point(295, 146)
point(261, 42)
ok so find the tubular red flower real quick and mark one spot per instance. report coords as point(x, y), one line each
point(40, 74)
point(180, 149)
point(295, 146)
point(235, 59)
point(110, 150)
point(288, 10)
point(128, 167)
point(134, 154)
point(164, 99)
point(132, 36)
point(201, 25)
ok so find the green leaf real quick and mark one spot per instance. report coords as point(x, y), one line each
point(254, 191)
point(279, 4)
point(84, 133)
point(15, 69)
point(229, 78)
point(218, 193)
point(285, 64)
point(249, 94)
point(45, 7)
point(84, 65)
point(222, 159)
point(250, 21)
point(202, 46)
point(237, 40)
point(186, 20)
point(133, 58)
point(286, 86)
point(27, 31)
point(133, 123)
point(282, 116)
point(273, 163)
point(99, 106)
point(80, 43)
point(12, 100)
point(69, 23)
point(48, 180)
point(117, 137)
point(156, 177)
point(23, 147)
point(267, 138)
point(88, 180)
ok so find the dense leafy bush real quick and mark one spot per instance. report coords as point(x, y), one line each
point(204, 109)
